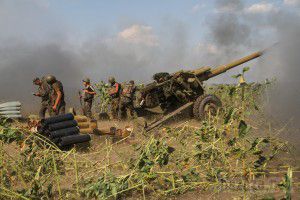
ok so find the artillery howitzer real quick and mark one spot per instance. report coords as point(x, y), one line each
point(170, 94)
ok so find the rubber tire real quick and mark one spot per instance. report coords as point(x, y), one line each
point(199, 105)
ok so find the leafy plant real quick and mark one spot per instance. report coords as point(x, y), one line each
point(103, 96)
point(224, 152)
point(106, 186)
point(8, 134)
point(286, 184)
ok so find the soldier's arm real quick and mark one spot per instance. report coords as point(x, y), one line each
point(37, 94)
point(90, 92)
point(59, 95)
point(115, 90)
point(44, 91)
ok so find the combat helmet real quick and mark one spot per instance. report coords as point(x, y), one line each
point(50, 79)
point(87, 80)
point(35, 79)
point(131, 82)
point(111, 79)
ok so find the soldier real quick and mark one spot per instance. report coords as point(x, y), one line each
point(43, 92)
point(88, 97)
point(126, 101)
point(114, 93)
point(57, 96)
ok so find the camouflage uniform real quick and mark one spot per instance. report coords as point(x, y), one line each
point(88, 101)
point(115, 98)
point(61, 107)
point(126, 101)
point(43, 92)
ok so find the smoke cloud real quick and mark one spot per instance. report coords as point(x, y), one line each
point(31, 50)
point(24, 62)
point(228, 31)
point(231, 31)
point(33, 42)
point(284, 61)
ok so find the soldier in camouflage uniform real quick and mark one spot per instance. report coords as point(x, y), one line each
point(88, 97)
point(114, 93)
point(44, 93)
point(126, 101)
point(57, 96)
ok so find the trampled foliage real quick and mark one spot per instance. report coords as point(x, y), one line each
point(225, 152)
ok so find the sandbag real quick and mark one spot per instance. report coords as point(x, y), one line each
point(93, 124)
point(10, 104)
point(86, 130)
point(58, 118)
point(83, 125)
point(74, 139)
point(63, 132)
point(80, 118)
point(62, 125)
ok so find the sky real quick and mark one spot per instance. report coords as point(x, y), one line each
point(133, 39)
point(82, 18)
point(137, 22)
point(88, 16)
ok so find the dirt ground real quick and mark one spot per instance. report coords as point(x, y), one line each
point(289, 133)
point(283, 130)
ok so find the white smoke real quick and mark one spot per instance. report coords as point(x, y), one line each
point(33, 42)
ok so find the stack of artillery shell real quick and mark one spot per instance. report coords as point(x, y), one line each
point(85, 125)
point(10, 109)
point(63, 130)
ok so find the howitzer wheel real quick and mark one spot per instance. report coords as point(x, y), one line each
point(206, 104)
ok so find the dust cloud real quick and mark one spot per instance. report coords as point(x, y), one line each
point(232, 30)
point(284, 61)
point(43, 44)
point(23, 62)
point(33, 49)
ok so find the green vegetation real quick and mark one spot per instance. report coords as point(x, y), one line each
point(102, 96)
point(227, 152)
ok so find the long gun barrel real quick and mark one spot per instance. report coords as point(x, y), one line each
point(223, 68)
point(205, 73)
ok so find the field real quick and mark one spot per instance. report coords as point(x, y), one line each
point(241, 153)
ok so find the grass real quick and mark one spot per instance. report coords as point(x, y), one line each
point(228, 152)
